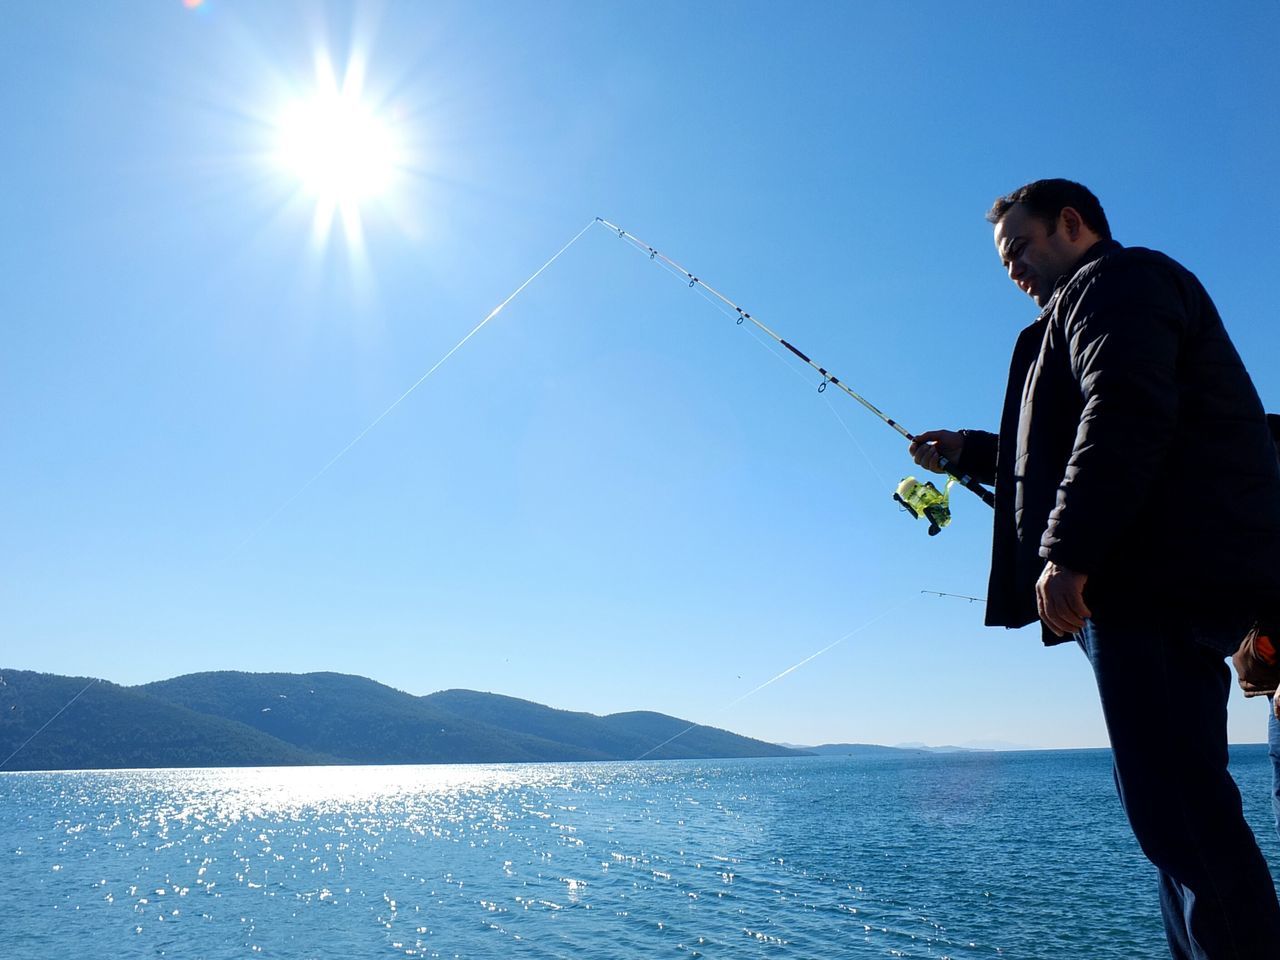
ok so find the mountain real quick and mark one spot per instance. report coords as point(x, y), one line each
point(355, 718)
point(245, 719)
point(113, 726)
point(618, 736)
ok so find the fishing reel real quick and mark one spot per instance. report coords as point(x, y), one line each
point(927, 501)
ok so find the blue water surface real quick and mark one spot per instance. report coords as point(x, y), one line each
point(1019, 855)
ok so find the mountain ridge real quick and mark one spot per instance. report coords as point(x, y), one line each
point(238, 718)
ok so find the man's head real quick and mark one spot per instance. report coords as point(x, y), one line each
point(1273, 421)
point(1043, 229)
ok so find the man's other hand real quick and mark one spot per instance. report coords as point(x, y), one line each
point(928, 447)
point(1060, 599)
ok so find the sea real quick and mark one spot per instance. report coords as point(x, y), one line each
point(1014, 855)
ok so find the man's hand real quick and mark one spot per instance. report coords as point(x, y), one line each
point(927, 447)
point(1257, 661)
point(1060, 599)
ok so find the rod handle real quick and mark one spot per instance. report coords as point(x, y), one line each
point(966, 481)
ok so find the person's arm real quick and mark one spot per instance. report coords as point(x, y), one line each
point(978, 458)
point(1123, 339)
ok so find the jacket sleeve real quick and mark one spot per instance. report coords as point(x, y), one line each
point(1123, 338)
point(978, 456)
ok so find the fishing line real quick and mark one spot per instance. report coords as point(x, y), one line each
point(713, 296)
point(417, 383)
point(865, 456)
point(781, 357)
point(741, 315)
point(47, 722)
point(772, 680)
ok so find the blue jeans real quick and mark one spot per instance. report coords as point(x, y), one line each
point(1273, 748)
point(1164, 695)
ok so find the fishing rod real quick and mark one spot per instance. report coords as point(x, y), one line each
point(920, 499)
point(957, 596)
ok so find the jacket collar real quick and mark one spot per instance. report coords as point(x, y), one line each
point(1095, 252)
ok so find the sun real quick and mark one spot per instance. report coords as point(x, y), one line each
point(339, 150)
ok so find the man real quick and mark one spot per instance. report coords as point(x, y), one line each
point(1138, 512)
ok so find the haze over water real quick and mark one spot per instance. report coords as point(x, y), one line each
point(977, 855)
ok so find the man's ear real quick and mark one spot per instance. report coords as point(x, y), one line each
point(1072, 223)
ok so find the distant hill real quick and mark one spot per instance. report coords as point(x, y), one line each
point(953, 748)
point(864, 750)
point(110, 726)
point(246, 719)
point(876, 750)
point(618, 736)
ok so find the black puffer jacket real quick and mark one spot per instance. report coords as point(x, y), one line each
point(1133, 447)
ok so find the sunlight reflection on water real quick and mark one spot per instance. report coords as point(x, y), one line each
point(933, 857)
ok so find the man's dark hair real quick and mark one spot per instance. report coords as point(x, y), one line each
point(1273, 421)
point(1046, 198)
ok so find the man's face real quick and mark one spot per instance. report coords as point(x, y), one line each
point(1033, 257)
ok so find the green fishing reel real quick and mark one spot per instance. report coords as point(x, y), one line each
point(927, 501)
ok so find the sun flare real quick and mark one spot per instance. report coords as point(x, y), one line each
point(339, 149)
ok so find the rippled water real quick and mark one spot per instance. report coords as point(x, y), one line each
point(979, 855)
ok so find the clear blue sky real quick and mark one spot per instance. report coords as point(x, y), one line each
point(611, 498)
